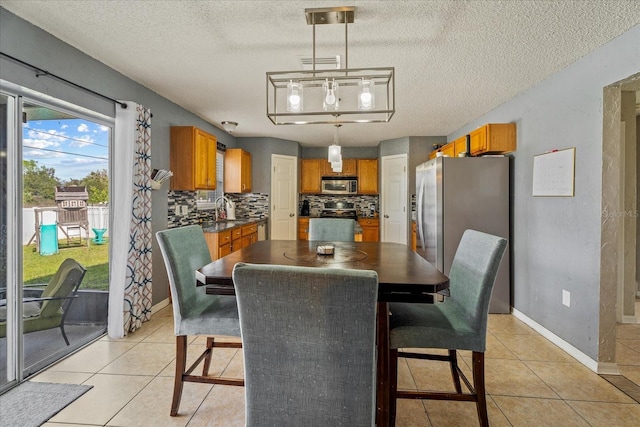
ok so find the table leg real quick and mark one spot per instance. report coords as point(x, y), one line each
point(382, 394)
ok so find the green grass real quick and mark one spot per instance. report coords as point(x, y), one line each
point(95, 258)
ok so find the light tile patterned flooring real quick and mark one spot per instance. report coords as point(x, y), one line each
point(529, 382)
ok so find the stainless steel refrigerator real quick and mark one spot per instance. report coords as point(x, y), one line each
point(457, 193)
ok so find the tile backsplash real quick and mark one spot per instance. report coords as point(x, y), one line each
point(250, 205)
point(362, 203)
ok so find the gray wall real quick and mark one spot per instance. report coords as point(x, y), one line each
point(347, 152)
point(556, 241)
point(261, 150)
point(30, 44)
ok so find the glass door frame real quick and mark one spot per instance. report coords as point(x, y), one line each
point(19, 95)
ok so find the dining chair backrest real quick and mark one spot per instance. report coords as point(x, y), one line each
point(308, 336)
point(332, 229)
point(472, 276)
point(184, 250)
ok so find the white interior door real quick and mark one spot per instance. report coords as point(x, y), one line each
point(284, 201)
point(394, 199)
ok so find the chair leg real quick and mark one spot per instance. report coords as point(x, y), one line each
point(207, 359)
point(478, 384)
point(393, 385)
point(181, 366)
point(453, 363)
point(64, 335)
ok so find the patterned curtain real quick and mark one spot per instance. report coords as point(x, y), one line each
point(131, 237)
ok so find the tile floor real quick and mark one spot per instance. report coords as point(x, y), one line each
point(529, 382)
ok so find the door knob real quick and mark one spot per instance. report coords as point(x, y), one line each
point(386, 216)
point(292, 215)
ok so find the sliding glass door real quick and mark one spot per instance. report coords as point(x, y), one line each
point(57, 211)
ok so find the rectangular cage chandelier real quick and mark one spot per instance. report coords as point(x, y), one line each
point(346, 95)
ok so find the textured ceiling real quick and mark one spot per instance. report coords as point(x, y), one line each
point(454, 60)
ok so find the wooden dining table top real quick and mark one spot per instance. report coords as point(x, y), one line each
point(403, 275)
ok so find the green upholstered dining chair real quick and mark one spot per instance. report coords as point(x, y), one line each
point(459, 323)
point(184, 250)
point(331, 229)
point(308, 337)
point(48, 308)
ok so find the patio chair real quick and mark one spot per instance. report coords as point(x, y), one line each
point(49, 309)
point(184, 249)
point(459, 323)
point(308, 336)
point(332, 229)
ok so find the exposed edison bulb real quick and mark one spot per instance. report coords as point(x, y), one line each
point(366, 97)
point(294, 97)
point(331, 99)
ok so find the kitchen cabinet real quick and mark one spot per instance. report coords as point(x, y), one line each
point(236, 239)
point(192, 159)
point(370, 229)
point(237, 171)
point(311, 175)
point(303, 228)
point(446, 150)
point(367, 176)
point(493, 138)
point(414, 237)
point(219, 243)
point(249, 235)
point(460, 146)
point(226, 241)
point(349, 168)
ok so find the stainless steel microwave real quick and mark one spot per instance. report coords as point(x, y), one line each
point(339, 185)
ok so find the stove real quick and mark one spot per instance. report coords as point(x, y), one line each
point(339, 210)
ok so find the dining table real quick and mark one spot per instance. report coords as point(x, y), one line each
point(403, 276)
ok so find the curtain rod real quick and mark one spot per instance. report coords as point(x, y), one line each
point(41, 72)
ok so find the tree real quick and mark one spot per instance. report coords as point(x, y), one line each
point(97, 183)
point(39, 183)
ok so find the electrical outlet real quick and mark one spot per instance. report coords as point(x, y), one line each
point(185, 210)
point(177, 210)
point(566, 298)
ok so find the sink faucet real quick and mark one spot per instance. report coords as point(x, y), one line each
point(215, 205)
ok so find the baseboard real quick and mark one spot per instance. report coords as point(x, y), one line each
point(630, 319)
point(599, 368)
point(159, 306)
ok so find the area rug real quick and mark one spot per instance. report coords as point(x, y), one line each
point(34, 403)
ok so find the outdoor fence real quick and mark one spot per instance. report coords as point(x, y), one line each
point(98, 220)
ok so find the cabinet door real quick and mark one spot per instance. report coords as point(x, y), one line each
point(370, 229)
point(204, 161)
point(246, 172)
point(449, 150)
point(303, 228)
point(460, 145)
point(478, 141)
point(311, 175)
point(349, 168)
point(237, 171)
point(367, 176)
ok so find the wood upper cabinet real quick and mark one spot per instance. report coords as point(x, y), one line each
point(237, 171)
point(367, 176)
point(370, 229)
point(349, 168)
point(460, 146)
point(192, 159)
point(311, 175)
point(493, 138)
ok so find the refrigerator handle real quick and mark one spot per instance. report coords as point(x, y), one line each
point(420, 221)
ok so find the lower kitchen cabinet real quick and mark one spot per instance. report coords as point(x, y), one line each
point(370, 229)
point(222, 243)
point(303, 228)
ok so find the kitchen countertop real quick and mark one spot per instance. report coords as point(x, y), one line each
point(228, 224)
